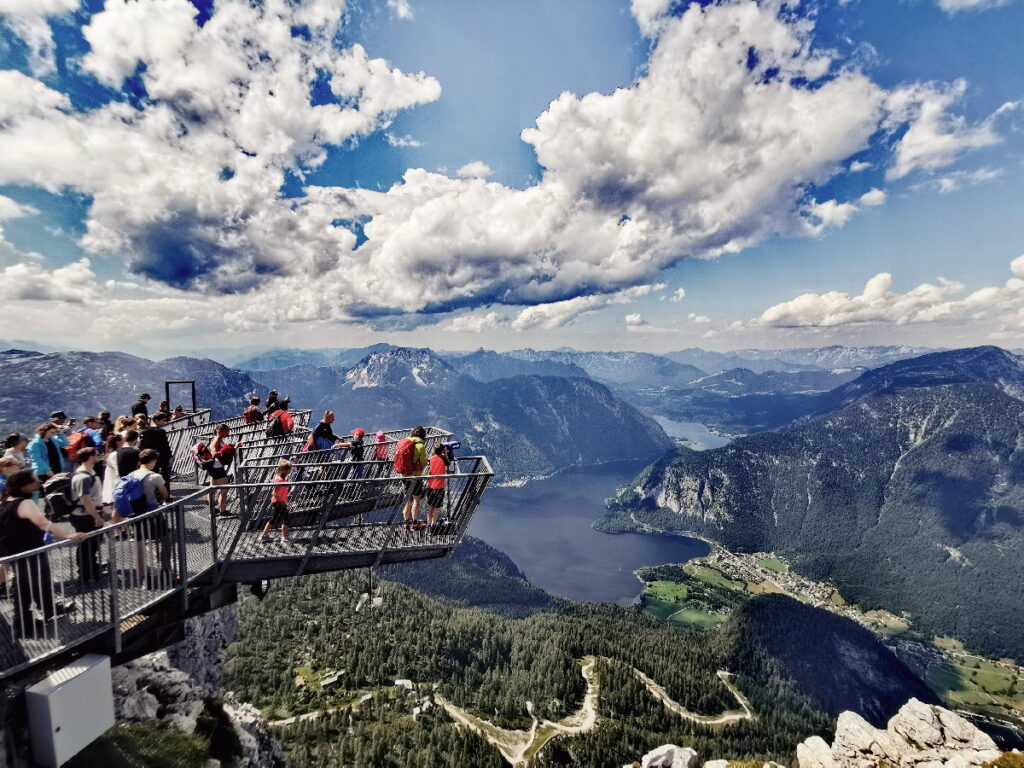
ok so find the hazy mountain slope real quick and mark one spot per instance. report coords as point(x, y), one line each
point(619, 369)
point(910, 499)
point(836, 356)
point(83, 383)
point(715, 362)
point(485, 365)
point(527, 425)
point(272, 359)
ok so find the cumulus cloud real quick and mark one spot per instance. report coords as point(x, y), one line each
point(474, 170)
point(873, 197)
point(944, 300)
point(951, 182)
point(476, 323)
point(678, 294)
point(28, 20)
point(559, 313)
point(184, 186)
point(936, 137)
point(859, 165)
point(699, 319)
point(635, 320)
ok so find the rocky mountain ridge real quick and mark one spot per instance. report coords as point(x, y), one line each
point(918, 736)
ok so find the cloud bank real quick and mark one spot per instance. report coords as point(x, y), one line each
point(712, 150)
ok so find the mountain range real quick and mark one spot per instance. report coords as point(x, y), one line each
point(528, 425)
point(81, 383)
point(906, 490)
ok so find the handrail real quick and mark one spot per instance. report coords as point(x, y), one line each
point(170, 550)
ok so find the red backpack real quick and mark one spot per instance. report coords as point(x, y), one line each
point(76, 442)
point(405, 457)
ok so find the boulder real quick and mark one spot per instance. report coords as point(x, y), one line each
point(813, 753)
point(670, 756)
point(716, 764)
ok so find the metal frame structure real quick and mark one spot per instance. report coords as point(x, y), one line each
point(184, 558)
point(191, 383)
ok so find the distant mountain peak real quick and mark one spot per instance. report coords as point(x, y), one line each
point(401, 366)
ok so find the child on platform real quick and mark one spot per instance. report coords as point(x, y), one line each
point(279, 504)
point(435, 486)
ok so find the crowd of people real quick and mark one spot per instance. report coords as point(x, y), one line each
point(105, 470)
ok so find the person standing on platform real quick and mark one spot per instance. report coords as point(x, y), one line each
point(141, 406)
point(155, 438)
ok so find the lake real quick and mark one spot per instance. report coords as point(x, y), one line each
point(698, 434)
point(545, 527)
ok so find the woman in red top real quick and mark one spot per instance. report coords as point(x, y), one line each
point(435, 485)
point(223, 454)
point(279, 504)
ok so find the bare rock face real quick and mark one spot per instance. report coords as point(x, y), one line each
point(670, 756)
point(716, 764)
point(918, 736)
point(175, 687)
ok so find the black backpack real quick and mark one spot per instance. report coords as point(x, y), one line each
point(274, 427)
point(60, 502)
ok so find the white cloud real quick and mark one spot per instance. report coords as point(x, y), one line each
point(28, 20)
point(401, 9)
point(12, 209)
point(477, 169)
point(678, 295)
point(699, 319)
point(633, 181)
point(935, 137)
point(952, 6)
point(873, 197)
point(560, 313)
point(951, 182)
point(402, 141)
point(195, 173)
point(859, 165)
point(879, 304)
point(476, 323)
point(636, 320)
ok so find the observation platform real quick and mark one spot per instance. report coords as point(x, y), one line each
point(186, 558)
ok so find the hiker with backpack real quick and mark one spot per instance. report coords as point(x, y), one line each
point(279, 421)
point(22, 529)
point(14, 448)
point(138, 492)
point(86, 494)
point(46, 450)
point(253, 414)
point(435, 485)
point(216, 459)
point(155, 438)
point(279, 504)
point(323, 437)
point(410, 460)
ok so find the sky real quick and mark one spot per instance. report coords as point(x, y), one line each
point(180, 176)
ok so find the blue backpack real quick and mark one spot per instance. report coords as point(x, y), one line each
point(129, 499)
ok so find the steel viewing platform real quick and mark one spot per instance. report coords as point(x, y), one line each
point(185, 558)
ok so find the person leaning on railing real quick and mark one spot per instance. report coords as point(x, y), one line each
point(22, 527)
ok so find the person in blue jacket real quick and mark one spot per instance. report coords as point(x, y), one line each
point(47, 451)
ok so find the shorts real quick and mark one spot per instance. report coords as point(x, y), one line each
point(416, 483)
point(435, 497)
point(217, 473)
point(278, 513)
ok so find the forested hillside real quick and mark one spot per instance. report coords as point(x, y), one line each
point(305, 648)
point(910, 500)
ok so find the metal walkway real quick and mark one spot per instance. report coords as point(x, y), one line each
point(157, 569)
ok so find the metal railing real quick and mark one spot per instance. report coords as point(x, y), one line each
point(181, 440)
point(190, 419)
point(341, 514)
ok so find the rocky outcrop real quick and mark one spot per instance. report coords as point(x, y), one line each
point(670, 756)
point(179, 685)
point(918, 736)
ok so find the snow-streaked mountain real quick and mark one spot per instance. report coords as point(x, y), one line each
point(837, 356)
point(485, 365)
point(82, 383)
point(528, 425)
point(273, 359)
point(620, 370)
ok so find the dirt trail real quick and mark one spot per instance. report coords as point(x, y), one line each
point(520, 747)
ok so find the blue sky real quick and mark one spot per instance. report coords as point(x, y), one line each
point(435, 261)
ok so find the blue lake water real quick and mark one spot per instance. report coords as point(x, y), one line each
point(545, 527)
point(702, 438)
